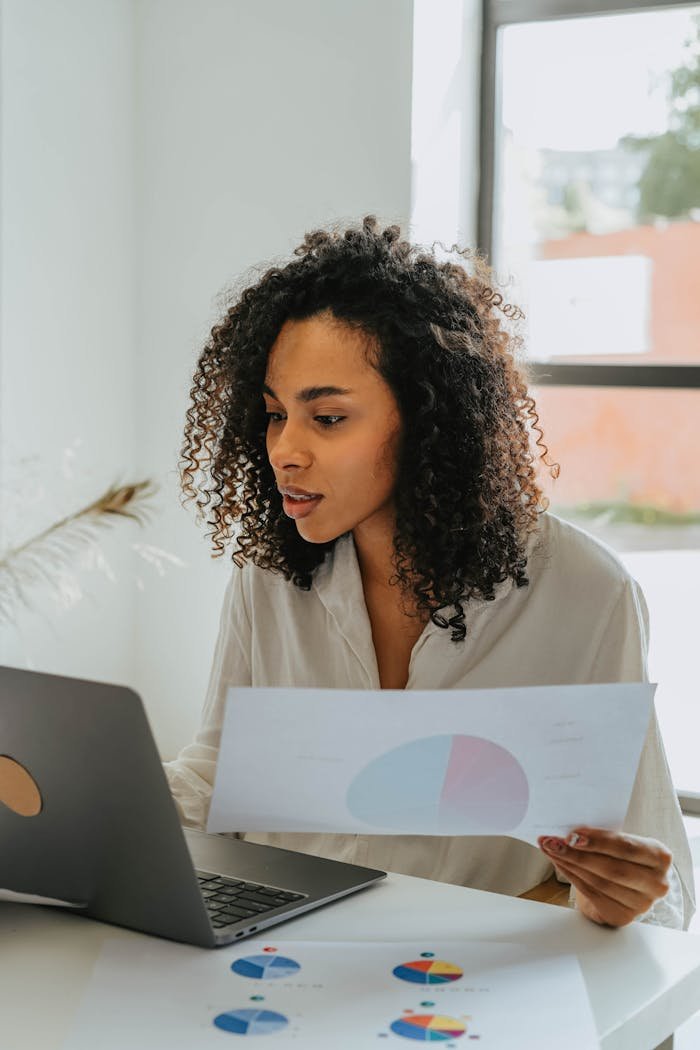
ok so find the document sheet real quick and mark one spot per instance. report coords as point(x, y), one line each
point(348, 996)
point(520, 762)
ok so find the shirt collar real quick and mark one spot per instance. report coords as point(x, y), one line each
point(338, 584)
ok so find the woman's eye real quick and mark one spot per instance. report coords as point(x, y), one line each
point(325, 421)
point(329, 421)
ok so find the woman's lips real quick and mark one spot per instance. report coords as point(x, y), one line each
point(299, 508)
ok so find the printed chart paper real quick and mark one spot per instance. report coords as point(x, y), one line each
point(349, 996)
point(34, 898)
point(518, 762)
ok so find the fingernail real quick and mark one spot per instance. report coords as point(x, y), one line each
point(575, 839)
point(553, 845)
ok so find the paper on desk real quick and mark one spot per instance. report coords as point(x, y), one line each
point(337, 994)
point(520, 762)
point(34, 898)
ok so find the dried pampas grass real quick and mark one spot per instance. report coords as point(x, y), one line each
point(51, 557)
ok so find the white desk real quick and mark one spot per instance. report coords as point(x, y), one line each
point(643, 981)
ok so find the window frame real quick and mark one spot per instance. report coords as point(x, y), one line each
point(495, 15)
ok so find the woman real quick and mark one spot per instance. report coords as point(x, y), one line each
point(358, 415)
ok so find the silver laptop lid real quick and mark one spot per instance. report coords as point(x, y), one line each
point(106, 831)
point(86, 816)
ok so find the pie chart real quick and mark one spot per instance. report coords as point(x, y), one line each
point(265, 967)
point(428, 971)
point(429, 1028)
point(251, 1022)
point(449, 784)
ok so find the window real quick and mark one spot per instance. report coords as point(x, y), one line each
point(590, 213)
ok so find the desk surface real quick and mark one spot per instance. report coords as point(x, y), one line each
point(643, 981)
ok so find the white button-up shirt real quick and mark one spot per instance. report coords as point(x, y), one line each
point(581, 619)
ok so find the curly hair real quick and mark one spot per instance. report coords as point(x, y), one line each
point(466, 495)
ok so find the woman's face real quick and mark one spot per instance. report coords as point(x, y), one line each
point(333, 429)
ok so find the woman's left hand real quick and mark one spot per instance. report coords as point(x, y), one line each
point(617, 877)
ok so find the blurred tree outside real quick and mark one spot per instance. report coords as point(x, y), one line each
point(669, 185)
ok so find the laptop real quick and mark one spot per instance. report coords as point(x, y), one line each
point(86, 817)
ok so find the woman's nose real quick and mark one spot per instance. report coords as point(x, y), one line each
point(287, 448)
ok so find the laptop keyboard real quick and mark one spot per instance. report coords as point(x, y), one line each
point(230, 900)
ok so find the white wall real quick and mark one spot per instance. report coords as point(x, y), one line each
point(66, 291)
point(254, 123)
point(445, 121)
point(152, 151)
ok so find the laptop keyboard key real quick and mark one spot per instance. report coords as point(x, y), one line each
point(233, 913)
point(255, 898)
point(248, 902)
point(229, 900)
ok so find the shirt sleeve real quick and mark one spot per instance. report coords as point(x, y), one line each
point(191, 774)
point(653, 812)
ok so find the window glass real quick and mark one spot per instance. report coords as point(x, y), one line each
point(597, 185)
